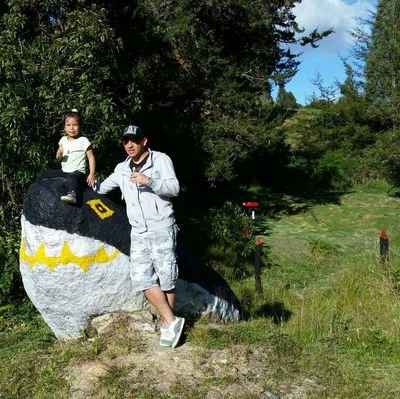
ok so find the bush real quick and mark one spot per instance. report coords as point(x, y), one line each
point(332, 170)
point(11, 287)
point(232, 230)
point(389, 146)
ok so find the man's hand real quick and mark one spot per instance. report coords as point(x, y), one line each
point(139, 178)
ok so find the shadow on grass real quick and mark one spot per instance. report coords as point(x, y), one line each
point(193, 208)
point(275, 311)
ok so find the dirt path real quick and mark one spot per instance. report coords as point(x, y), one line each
point(237, 372)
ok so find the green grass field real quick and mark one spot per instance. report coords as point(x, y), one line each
point(327, 324)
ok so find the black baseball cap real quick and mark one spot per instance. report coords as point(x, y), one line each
point(133, 131)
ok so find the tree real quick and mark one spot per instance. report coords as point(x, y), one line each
point(226, 52)
point(286, 99)
point(383, 64)
point(56, 55)
point(326, 94)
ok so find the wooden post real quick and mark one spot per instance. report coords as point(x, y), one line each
point(384, 247)
point(257, 265)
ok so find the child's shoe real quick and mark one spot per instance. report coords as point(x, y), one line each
point(69, 198)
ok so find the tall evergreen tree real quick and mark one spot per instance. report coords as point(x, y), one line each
point(382, 86)
point(286, 99)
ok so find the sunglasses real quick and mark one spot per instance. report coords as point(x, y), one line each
point(126, 140)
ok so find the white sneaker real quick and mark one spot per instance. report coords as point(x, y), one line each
point(69, 198)
point(170, 335)
point(166, 337)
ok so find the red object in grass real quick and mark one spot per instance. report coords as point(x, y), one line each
point(258, 242)
point(251, 204)
point(246, 231)
point(383, 235)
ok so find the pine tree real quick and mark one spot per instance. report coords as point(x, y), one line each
point(286, 99)
point(383, 64)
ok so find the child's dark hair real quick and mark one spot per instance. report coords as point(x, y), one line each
point(74, 113)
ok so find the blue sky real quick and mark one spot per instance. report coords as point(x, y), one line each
point(326, 59)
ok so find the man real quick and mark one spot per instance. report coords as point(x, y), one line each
point(147, 181)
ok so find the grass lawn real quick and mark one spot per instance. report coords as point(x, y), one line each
point(328, 292)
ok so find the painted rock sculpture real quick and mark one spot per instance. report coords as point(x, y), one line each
point(74, 262)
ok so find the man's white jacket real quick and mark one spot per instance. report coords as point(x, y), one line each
point(148, 207)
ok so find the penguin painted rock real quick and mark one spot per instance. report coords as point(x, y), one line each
point(74, 263)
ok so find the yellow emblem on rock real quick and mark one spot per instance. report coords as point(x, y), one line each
point(101, 209)
point(66, 256)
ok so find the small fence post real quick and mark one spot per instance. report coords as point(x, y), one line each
point(251, 207)
point(257, 265)
point(384, 247)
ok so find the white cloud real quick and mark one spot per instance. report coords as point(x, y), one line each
point(337, 14)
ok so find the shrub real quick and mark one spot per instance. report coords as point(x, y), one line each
point(232, 230)
point(11, 287)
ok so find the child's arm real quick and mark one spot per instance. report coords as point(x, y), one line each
point(59, 153)
point(92, 167)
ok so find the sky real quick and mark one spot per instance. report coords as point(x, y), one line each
point(341, 15)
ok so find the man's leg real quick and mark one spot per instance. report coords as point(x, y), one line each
point(159, 299)
point(163, 248)
point(156, 268)
point(171, 298)
point(172, 327)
